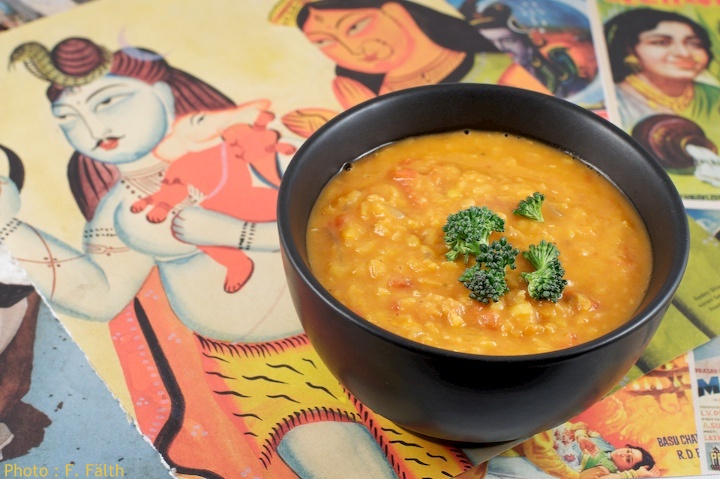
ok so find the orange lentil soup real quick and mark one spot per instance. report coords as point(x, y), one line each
point(375, 242)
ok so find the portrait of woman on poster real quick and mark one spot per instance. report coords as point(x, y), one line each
point(382, 46)
point(658, 60)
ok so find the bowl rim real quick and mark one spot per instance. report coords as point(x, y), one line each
point(655, 306)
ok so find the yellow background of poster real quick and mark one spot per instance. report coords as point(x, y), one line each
point(229, 44)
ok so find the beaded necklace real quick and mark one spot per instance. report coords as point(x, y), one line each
point(657, 98)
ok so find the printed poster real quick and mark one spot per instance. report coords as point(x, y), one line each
point(665, 80)
point(664, 424)
point(14, 13)
point(707, 410)
point(47, 388)
point(552, 40)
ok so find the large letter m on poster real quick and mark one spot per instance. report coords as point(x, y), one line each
point(713, 387)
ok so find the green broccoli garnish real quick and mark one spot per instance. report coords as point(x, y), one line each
point(484, 284)
point(486, 278)
point(499, 254)
point(466, 230)
point(531, 207)
point(546, 282)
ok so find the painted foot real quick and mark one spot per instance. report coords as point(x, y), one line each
point(238, 274)
point(140, 205)
point(158, 213)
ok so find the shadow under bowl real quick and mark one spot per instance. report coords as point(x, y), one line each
point(458, 396)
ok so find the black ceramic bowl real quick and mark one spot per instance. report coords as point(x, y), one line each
point(458, 396)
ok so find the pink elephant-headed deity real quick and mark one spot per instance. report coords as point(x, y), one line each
point(225, 161)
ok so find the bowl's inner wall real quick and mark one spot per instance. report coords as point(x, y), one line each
point(555, 122)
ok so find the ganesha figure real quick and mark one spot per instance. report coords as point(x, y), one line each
point(215, 159)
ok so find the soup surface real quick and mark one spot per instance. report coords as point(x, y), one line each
point(375, 242)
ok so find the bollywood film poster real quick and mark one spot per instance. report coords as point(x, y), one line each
point(665, 424)
point(552, 40)
point(663, 58)
point(14, 13)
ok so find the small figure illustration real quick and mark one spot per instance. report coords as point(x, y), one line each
point(572, 451)
point(218, 158)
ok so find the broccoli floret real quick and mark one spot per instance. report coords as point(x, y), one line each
point(486, 278)
point(546, 282)
point(541, 254)
point(499, 254)
point(484, 284)
point(466, 230)
point(531, 207)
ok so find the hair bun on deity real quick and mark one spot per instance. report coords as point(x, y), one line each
point(78, 56)
point(73, 62)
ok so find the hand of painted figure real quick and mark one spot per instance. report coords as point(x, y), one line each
point(587, 445)
point(351, 92)
point(201, 227)
point(644, 471)
point(9, 200)
point(306, 121)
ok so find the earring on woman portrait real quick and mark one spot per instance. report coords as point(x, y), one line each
point(632, 63)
